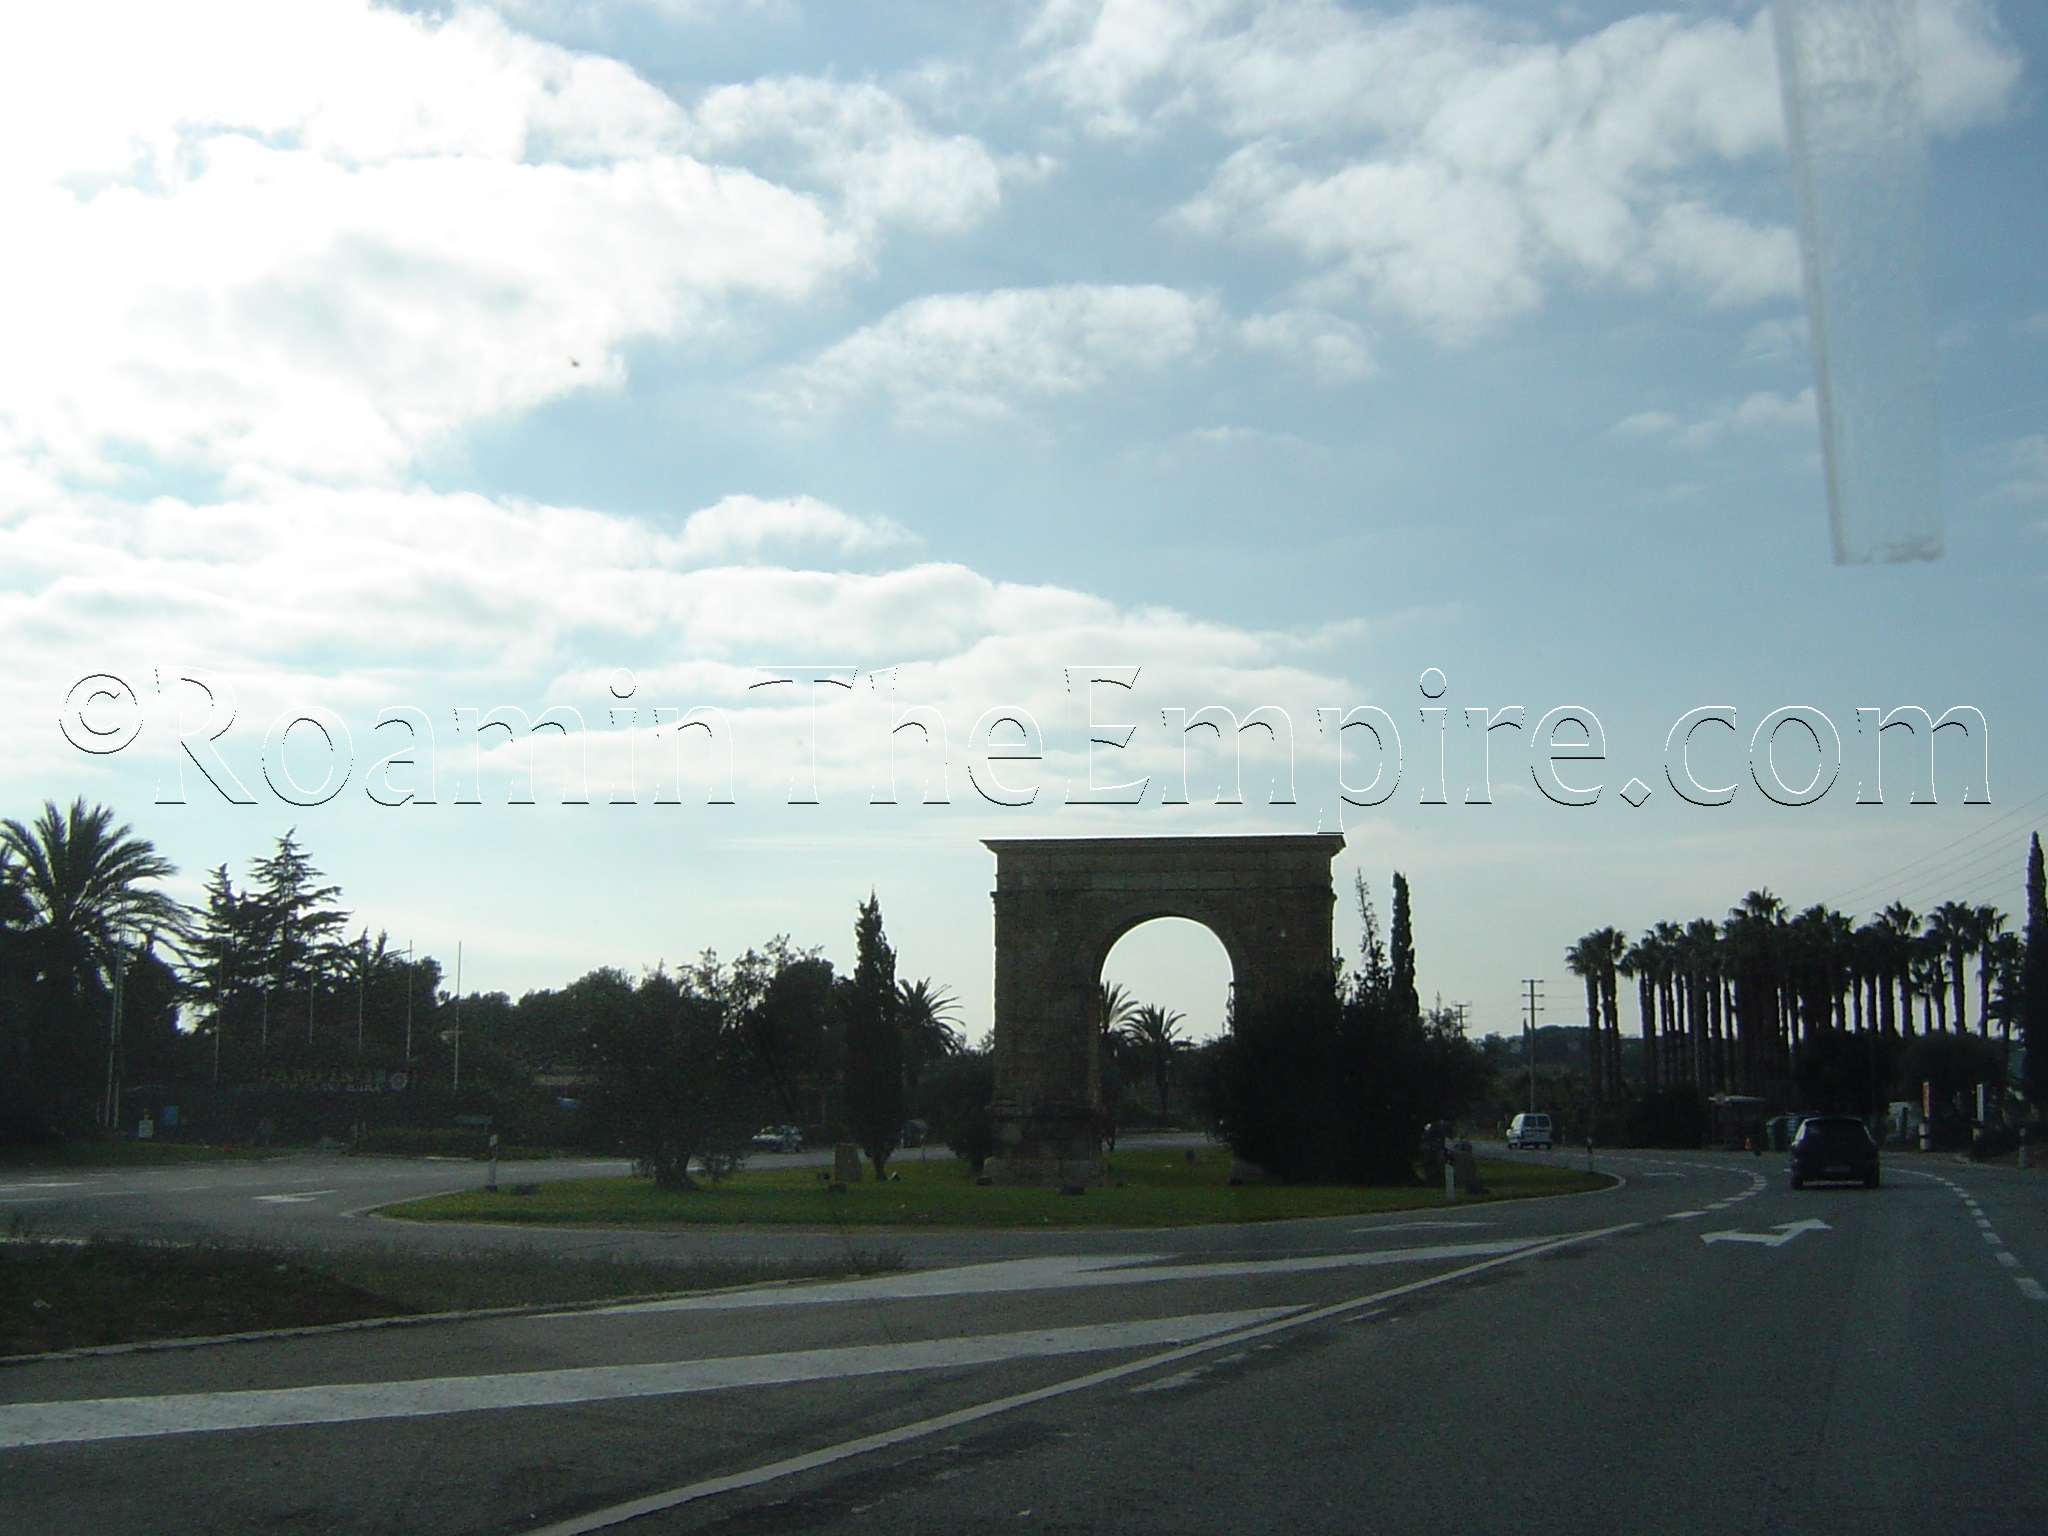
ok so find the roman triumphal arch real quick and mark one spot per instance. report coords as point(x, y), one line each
point(1061, 903)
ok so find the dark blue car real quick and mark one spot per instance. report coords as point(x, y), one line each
point(1836, 1148)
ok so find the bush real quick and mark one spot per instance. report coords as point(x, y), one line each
point(1321, 1090)
point(953, 1101)
point(1667, 1117)
point(671, 1078)
point(425, 1140)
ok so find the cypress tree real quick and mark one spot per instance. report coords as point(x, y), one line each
point(1401, 956)
point(2034, 981)
point(874, 1041)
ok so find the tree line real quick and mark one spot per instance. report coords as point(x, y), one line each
point(261, 1007)
point(1775, 1004)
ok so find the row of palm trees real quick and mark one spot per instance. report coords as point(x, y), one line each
point(1724, 1005)
point(1145, 1030)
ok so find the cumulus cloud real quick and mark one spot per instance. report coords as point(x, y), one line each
point(364, 598)
point(1453, 169)
point(978, 355)
point(745, 530)
point(2026, 469)
point(858, 141)
point(309, 241)
point(1332, 347)
point(1762, 414)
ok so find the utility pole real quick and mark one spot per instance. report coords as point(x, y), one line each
point(362, 981)
point(1534, 1003)
point(110, 1110)
point(408, 1004)
point(455, 1086)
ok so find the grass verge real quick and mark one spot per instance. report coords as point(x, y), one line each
point(1147, 1188)
point(64, 1295)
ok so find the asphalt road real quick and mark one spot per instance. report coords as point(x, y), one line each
point(1700, 1350)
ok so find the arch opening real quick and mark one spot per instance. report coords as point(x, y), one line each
point(1177, 964)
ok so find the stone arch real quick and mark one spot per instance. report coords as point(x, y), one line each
point(1062, 903)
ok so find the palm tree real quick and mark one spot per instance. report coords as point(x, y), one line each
point(1584, 960)
point(2006, 956)
point(1952, 931)
point(80, 884)
point(83, 882)
point(1642, 960)
point(1114, 1006)
point(930, 1027)
point(1900, 924)
point(1930, 980)
point(1988, 928)
point(1754, 933)
point(1155, 1031)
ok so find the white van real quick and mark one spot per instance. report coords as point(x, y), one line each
point(1526, 1131)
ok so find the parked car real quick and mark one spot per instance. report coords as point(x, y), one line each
point(1527, 1131)
point(779, 1138)
point(1833, 1147)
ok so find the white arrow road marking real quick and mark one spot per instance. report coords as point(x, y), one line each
point(311, 1194)
point(1787, 1230)
point(120, 1418)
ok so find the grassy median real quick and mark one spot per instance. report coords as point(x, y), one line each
point(1147, 1188)
point(61, 1294)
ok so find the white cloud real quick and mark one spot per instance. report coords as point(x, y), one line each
point(1452, 168)
point(1330, 345)
point(2026, 469)
point(858, 141)
point(1762, 414)
point(312, 240)
point(360, 599)
point(1771, 340)
point(978, 355)
point(743, 530)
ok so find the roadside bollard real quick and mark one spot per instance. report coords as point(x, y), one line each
point(491, 1178)
point(1450, 1181)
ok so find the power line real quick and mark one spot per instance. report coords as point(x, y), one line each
point(1948, 850)
point(1966, 867)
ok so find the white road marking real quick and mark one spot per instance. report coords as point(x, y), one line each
point(2031, 1289)
point(1170, 1383)
point(311, 1194)
point(1684, 1215)
point(1993, 1239)
point(43, 1184)
point(1785, 1232)
point(754, 1477)
point(2009, 1259)
point(121, 1418)
point(1064, 1272)
point(1424, 1226)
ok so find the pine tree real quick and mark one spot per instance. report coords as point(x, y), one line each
point(874, 1041)
point(1401, 955)
point(2034, 980)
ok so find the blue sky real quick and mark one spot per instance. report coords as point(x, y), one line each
point(460, 357)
